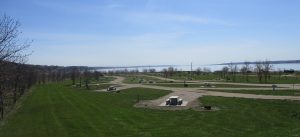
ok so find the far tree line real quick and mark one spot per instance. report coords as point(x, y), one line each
point(263, 70)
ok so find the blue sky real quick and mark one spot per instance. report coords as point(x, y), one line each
point(152, 32)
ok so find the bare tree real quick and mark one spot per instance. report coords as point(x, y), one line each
point(233, 70)
point(259, 70)
point(86, 75)
point(266, 70)
point(171, 71)
point(225, 72)
point(165, 72)
point(97, 75)
point(243, 70)
point(145, 71)
point(12, 49)
point(73, 76)
point(152, 70)
point(247, 69)
point(198, 71)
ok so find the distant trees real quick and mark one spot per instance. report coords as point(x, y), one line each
point(97, 75)
point(86, 75)
point(198, 71)
point(171, 71)
point(167, 72)
point(263, 70)
point(233, 69)
point(246, 70)
point(152, 70)
point(225, 71)
point(267, 67)
point(74, 75)
point(259, 70)
point(145, 70)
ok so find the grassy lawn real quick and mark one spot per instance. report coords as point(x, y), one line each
point(265, 92)
point(59, 110)
point(105, 79)
point(212, 85)
point(98, 86)
point(274, 79)
point(132, 79)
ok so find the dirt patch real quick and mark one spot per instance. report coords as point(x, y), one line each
point(193, 105)
point(149, 104)
point(191, 99)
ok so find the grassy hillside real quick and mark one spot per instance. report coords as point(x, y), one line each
point(59, 110)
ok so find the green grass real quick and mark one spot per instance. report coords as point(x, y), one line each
point(133, 79)
point(105, 79)
point(265, 92)
point(274, 79)
point(99, 86)
point(216, 86)
point(59, 110)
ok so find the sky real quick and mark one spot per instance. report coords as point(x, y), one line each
point(155, 32)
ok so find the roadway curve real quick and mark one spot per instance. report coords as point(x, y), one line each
point(192, 94)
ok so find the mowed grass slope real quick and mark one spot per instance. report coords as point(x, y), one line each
point(59, 110)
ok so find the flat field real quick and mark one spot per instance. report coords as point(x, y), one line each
point(61, 110)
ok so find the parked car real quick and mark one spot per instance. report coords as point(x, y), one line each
point(111, 88)
point(174, 101)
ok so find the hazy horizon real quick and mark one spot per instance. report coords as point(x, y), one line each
point(155, 32)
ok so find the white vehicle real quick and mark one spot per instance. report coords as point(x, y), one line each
point(174, 101)
point(111, 88)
